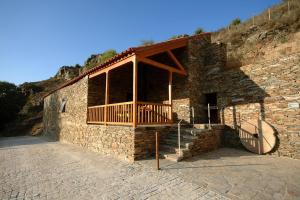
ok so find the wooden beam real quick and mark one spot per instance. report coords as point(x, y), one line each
point(146, 52)
point(135, 91)
point(112, 66)
point(173, 57)
point(170, 95)
point(160, 65)
point(106, 96)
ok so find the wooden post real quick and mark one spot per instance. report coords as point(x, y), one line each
point(208, 114)
point(106, 96)
point(170, 96)
point(269, 11)
point(135, 91)
point(157, 150)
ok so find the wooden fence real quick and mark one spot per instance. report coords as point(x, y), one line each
point(122, 113)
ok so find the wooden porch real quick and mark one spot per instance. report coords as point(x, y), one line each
point(122, 113)
point(137, 111)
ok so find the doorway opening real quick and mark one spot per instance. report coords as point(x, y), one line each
point(211, 99)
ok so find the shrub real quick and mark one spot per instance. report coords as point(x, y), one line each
point(147, 42)
point(11, 102)
point(96, 59)
point(199, 31)
point(235, 22)
point(107, 55)
point(179, 36)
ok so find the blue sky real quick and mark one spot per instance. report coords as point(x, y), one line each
point(39, 36)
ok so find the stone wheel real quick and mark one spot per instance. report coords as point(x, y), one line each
point(257, 136)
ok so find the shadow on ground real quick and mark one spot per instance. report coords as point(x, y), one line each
point(10, 142)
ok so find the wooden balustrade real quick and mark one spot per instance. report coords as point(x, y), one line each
point(122, 113)
point(96, 114)
point(153, 113)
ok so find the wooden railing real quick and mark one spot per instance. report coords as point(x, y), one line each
point(96, 114)
point(153, 113)
point(122, 113)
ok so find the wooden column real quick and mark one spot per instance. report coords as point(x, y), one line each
point(106, 96)
point(170, 95)
point(135, 91)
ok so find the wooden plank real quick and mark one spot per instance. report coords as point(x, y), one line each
point(93, 122)
point(151, 113)
point(146, 52)
point(170, 94)
point(151, 103)
point(119, 123)
point(112, 66)
point(106, 94)
point(160, 65)
point(99, 106)
point(173, 57)
point(143, 114)
point(135, 90)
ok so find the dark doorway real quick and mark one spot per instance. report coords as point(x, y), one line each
point(211, 99)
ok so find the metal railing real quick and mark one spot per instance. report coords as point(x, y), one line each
point(179, 137)
point(209, 107)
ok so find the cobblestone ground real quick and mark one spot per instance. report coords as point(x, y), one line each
point(32, 168)
point(240, 174)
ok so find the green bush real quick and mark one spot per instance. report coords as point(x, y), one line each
point(147, 42)
point(199, 31)
point(179, 36)
point(235, 22)
point(11, 102)
point(97, 59)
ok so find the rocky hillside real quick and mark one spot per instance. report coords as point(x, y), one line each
point(270, 34)
point(29, 119)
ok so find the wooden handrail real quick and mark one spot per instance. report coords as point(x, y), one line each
point(114, 104)
point(151, 103)
point(98, 106)
point(122, 113)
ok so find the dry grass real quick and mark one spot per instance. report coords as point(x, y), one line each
point(245, 40)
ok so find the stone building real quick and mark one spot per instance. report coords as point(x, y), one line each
point(116, 107)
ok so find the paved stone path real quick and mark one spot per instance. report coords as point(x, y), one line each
point(240, 174)
point(32, 168)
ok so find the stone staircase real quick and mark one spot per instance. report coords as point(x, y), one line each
point(169, 145)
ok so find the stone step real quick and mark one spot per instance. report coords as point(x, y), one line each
point(171, 141)
point(187, 131)
point(171, 156)
point(182, 135)
point(172, 148)
point(184, 153)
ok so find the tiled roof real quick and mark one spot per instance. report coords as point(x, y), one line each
point(116, 58)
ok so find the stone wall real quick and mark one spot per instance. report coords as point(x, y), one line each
point(262, 89)
point(145, 140)
point(123, 141)
point(70, 126)
point(208, 140)
point(265, 89)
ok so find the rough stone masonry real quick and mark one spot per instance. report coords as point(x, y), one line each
point(267, 89)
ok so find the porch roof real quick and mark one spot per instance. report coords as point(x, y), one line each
point(142, 50)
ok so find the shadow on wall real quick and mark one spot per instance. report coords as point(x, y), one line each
point(52, 124)
point(241, 99)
